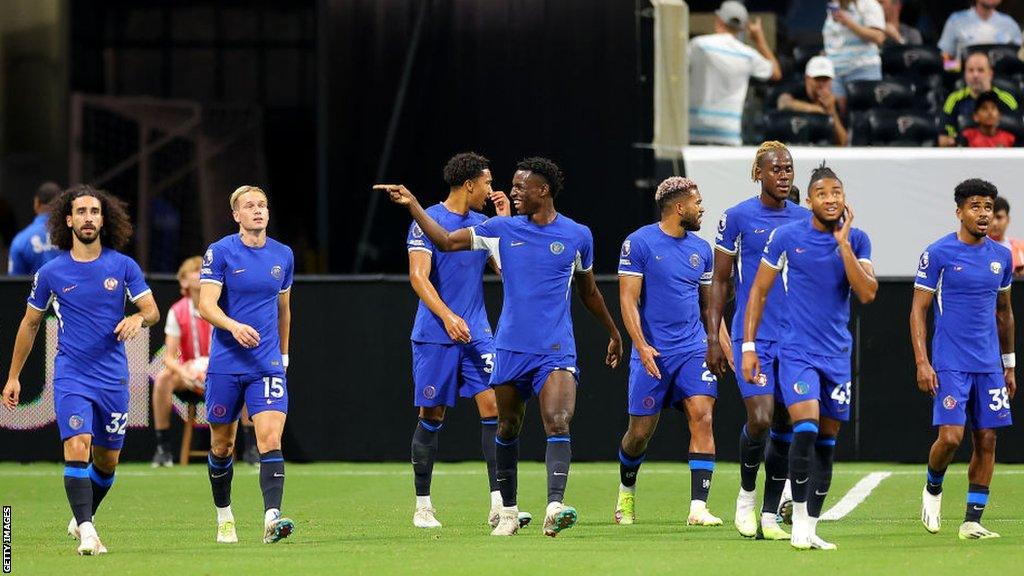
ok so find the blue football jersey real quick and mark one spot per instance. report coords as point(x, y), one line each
point(742, 232)
point(537, 266)
point(672, 269)
point(817, 292)
point(252, 280)
point(457, 277)
point(965, 280)
point(31, 248)
point(89, 301)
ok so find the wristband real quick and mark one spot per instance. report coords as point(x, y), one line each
point(284, 360)
point(748, 347)
point(1010, 360)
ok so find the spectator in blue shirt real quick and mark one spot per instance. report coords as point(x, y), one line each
point(980, 24)
point(31, 247)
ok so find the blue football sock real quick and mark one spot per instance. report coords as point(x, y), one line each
point(272, 479)
point(629, 467)
point(221, 471)
point(933, 483)
point(79, 490)
point(702, 467)
point(506, 462)
point(424, 450)
point(776, 468)
point(751, 454)
point(977, 499)
point(101, 483)
point(801, 453)
point(557, 458)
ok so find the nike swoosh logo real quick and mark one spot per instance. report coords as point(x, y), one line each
point(783, 479)
point(278, 475)
point(518, 243)
point(745, 465)
point(978, 508)
point(658, 257)
point(501, 479)
point(70, 288)
point(799, 482)
point(801, 250)
point(239, 271)
point(760, 231)
point(817, 493)
point(221, 475)
point(560, 474)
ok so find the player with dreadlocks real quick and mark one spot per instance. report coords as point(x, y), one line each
point(742, 233)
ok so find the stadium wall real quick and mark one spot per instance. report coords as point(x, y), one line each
point(350, 384)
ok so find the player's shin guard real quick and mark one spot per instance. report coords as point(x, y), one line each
point(101, 483)
point(776, 469)
point(805, 433)
point(424, 450)
point(751, 454)
point(933, 484)
point(506, 463)
point(272, 479)
point(221, 471)
point(557, 458)
point(488, 429)
point(702, 466)
point(629, 467)
point(977, 498)
point(79, 490)
point(821, 474)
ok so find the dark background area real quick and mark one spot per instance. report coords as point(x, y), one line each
point(350, 385)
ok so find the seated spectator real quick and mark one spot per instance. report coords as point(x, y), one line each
point(898, 33)
point(979, 24)
point(853, 31)
point(816, 96)
point(977, 79)
point(987, 133)
point(720, 70)
point(997, 231)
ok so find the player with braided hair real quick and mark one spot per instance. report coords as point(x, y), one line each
point(742, 233)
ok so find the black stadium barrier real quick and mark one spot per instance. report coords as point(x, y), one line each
point(350, 386)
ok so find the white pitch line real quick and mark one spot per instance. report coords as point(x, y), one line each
point(859, 493)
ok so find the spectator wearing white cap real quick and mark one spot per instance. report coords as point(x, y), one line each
point(721, 66)
point(816, 96)
point(853, 31)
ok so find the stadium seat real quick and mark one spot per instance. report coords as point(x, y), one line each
point(186, 437)
point(771, 101)
point(894, 94)
point(911, 61)
point(798, 128)
point(996, 52)
point(1009, 67)
point(887, 127)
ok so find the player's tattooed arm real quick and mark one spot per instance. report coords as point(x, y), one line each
point(1004, 324)
point(148, 315)
point(860, 274)
point(594, 301)
point(209, 294)
point(630, 288)
point(717, 296)
point(22, 347)
point(752, 320)
point(419, 277)
point(927, 380)
point(461, 239)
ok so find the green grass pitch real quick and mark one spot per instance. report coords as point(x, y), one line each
point(356, 518)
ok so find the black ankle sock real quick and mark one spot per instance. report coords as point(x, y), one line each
point(977, 499)
point(272, 478)
point(751, 454)
point(488, 428)
point(101, 483)
point(776, 469)
point(557, 458)
point(221, 471)
point(424, 450)
point(79, 490)
point(801, 453)
point(933, 483)
point(629, 467)
point(702, 467)
point(506, 461)
point(821, 474)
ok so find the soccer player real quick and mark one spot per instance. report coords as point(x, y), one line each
point(87, 285)
point(452, 342)
point(186, 355)
point(245, 294)
point(540, 253)
point(743, 232)
point(822, 258)
point(664, 280)
point(31, 248)
point(969, 276)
